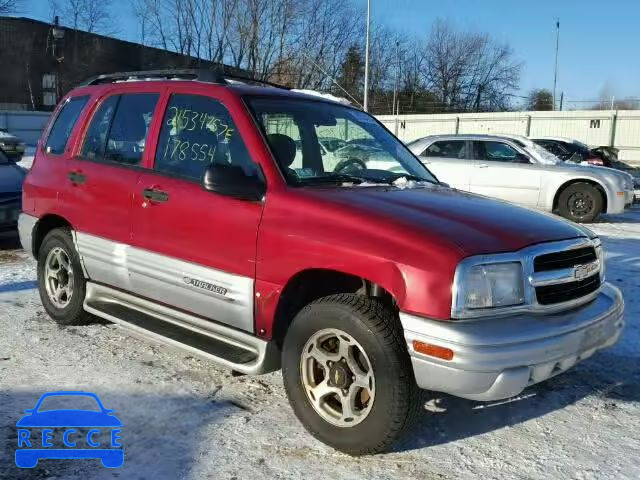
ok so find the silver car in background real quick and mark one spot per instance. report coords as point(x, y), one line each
point(515, 169)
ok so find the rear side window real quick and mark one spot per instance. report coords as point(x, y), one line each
point(63, 125)
point(96, 137)
point(119, 128)
point(447, 149)
point(198, 131)
point(496, 152)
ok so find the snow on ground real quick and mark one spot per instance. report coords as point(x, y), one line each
point(186, 418)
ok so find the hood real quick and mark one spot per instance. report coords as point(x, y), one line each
point(69, 418)
point(624, 177)
point(472, 223)
point(11, 178)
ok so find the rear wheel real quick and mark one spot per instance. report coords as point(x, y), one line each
point(580, 202)
point(347, 374)
point(61, 282)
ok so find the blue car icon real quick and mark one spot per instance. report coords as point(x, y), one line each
point(73, 421)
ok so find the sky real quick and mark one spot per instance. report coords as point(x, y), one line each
point(599, 40)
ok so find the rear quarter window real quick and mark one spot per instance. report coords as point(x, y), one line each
point(63, 125)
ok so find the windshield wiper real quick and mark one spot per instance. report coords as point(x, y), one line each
point(336, 178)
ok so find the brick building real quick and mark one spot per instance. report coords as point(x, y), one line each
point(40, 62)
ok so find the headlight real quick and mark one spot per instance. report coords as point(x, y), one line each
point(492, 285)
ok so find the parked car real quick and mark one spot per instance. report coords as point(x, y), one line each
point(361, 286)
point(515, 169)
point(11, 145)
point(574, 151)
point(11, 178)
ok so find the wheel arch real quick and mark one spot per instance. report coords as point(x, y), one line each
point(590, 181)
point(43, 226)
point(311, 284)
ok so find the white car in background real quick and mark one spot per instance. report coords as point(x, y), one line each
point(513, 168)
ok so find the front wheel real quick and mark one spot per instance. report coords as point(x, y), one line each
point(580, 202)
point(347, 374)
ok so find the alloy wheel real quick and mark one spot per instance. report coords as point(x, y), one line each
point(337, 377)
point(58, 277)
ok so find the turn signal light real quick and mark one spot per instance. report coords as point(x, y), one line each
point(433, 350)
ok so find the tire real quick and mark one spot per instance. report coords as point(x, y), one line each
point(69, 310)
point(580, 202)
point(374, 329)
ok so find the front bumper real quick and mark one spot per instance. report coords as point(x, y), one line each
point(498, 358)
point(619, 201)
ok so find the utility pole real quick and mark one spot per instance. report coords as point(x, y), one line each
point(394, 111)
point(561, 99)
point(366, 60)
point(555, 74)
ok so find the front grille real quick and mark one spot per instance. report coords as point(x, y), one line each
point(564, 259)
point(563, 292)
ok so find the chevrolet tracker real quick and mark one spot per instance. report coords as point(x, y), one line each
point(199, 210)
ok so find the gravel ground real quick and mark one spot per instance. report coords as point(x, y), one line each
point(186, 418)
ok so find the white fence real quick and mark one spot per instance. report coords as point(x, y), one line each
point(617, 128)
point(26, 125)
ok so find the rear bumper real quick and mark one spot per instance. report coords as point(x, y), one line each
point(498, 358)
point(9, 216)
point(26, 224)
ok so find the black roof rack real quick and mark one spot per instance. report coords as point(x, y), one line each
point(200, 75)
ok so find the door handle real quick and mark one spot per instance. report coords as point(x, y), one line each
point(483, 165)
point(155, 195)
point(77, 178)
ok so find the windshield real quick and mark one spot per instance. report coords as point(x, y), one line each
point(357, 149)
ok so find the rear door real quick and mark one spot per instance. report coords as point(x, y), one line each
point(195, 249)
point(500, 172)
point(101, 181)
point(49, 172)
point(451, 161)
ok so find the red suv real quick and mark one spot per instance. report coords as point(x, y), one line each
point(203, 212)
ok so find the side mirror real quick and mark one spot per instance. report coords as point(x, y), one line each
point(232, 181)
point(522, 158)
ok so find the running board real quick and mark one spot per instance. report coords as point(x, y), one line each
point(231, 348)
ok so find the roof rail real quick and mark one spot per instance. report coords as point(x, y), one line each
point(211, 76)
point(200, 75)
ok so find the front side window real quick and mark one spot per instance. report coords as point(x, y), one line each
point(496, 152)
point(63, 125)
point(198, 131)
point(317, 142)
point(447, 149)
point(119, 128)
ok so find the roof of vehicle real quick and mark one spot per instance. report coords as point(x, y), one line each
point(468, 136)
point(555, 139)
point(240, 84)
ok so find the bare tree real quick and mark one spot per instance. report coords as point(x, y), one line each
point(94, 16)
point(469, 71)
point(540, 99)
point(9, 6)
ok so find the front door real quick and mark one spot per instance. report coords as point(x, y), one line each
point(193, 249)
point(501, 171)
